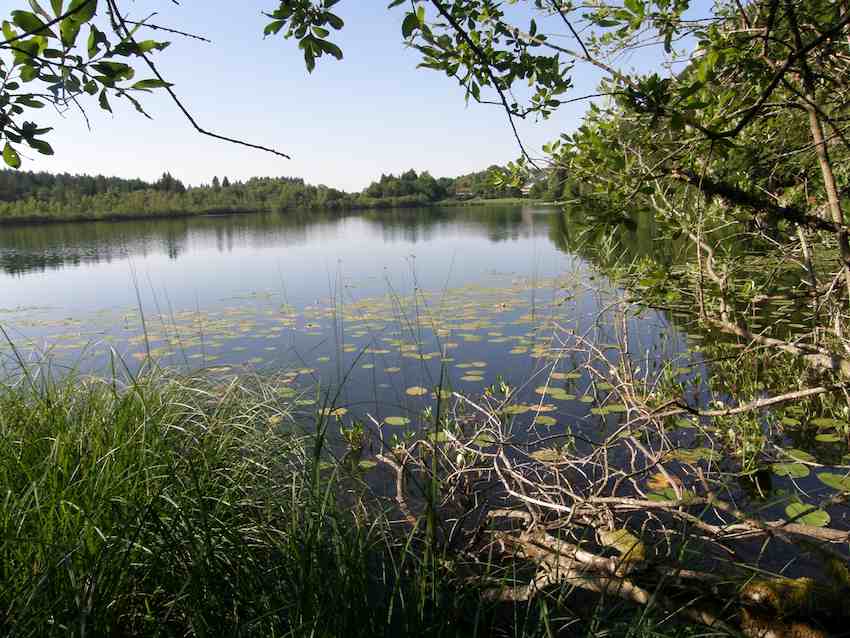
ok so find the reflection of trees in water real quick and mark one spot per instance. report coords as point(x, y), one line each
point(52, 246)
point(606, 246)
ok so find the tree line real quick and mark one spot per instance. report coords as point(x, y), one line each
point(43, 196)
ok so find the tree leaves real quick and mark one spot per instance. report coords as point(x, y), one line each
point(147, 85)
point(11, 157)
point(63, 70)
point(409, 25)
point(29, 22)
point(310, 23)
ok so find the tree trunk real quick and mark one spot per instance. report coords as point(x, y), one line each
point(829, 185)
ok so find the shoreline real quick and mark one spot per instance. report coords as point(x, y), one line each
point(38, 220)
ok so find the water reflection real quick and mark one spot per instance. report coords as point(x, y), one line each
point(25, 249)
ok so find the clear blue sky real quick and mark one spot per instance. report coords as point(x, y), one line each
point(343, 125)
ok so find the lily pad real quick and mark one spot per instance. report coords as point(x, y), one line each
point(483, 440)
point(792, 470)
point(800, 455)
point(835, 481)
point(546, 455)
point(544, 420)
point(685, 455)
point(829, 437)
point(624, 542)
point(815, 518)
point(516, 409)
point(396, 420)
point(824, 423)
point(669, 494)
point(416, 391)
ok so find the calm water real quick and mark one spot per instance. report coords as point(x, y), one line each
point(374, 309)
point(385, 301)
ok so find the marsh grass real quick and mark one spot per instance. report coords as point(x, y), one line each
point(166, 506)
point(170, 507)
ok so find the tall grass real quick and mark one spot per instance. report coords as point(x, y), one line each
point(169, 506)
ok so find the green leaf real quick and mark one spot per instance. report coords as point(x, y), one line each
point(28, 73)
point(38, 9)
point(815, 517)
point(635, 6)
point(95, 39)
point(29, 22)
point(825, 423)
point(147, 85)
point(41, 146)
point(800, 455)
point(438, 437)
point(83, 10)
point(685, 455)
point(792, 470)
point(56, 5)
point(410, 24)
point(334, 20)
point(11, 157)
point(8, 32)
point(546, 455)
point(69, 29)
point(115, 70)
point(831, 437)
point(544, 420)
point(624, 542)
point(272, 28)
point(103, 100)
point(669, 494)
point(331, 48)
point(27, 100)
point(835, 481)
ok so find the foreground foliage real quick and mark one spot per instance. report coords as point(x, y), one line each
point(171, 507)
point(168, 506)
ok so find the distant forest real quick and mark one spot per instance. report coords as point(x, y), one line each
point(42, 196)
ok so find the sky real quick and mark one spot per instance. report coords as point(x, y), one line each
point(343, 125)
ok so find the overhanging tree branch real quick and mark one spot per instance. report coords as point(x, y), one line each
point(127, 34)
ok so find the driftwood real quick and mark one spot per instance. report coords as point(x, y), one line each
point(585, 522)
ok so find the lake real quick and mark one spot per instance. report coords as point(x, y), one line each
point(380, 317)
point(378, 308)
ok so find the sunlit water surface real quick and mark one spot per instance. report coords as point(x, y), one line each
point(377, 307)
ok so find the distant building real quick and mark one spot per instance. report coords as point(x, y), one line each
point(464, 194)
